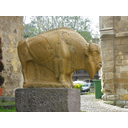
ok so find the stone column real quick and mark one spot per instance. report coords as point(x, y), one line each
point(114, 50)
point(11, 31)
point(107, 36)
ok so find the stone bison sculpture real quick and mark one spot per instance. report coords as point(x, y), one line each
point(50, 58)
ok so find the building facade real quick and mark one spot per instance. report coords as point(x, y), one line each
point(11, 33)
point(114, 51)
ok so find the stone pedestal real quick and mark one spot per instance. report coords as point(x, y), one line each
point(47, 100)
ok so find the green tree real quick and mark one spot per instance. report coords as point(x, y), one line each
point(29, 30)
point(41, 24)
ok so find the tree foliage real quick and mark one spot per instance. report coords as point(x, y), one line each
point(40, 24)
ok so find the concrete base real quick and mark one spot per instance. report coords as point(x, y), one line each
point(47, 100)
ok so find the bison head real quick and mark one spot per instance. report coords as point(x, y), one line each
point(93, 59)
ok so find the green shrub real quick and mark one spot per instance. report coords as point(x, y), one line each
point(81, 86)
point(78, 86)
point(3, 100)
point(13, 109)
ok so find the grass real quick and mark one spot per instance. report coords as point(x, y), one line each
point(13, 109)
point(91, 94)
point(4, 102)
point(7, 103)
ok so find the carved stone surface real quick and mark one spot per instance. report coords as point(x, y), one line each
point(50, 58)
point(47, 100)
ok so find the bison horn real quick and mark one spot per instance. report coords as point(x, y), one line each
point(90, 45)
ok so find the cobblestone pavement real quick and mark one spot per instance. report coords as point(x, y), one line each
point(90, 104)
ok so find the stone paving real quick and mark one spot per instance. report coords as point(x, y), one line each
point(90, 104)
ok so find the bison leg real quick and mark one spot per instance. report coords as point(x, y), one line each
point(64, 78)
point(24, 56)
point(37, 70)
point(62, 54)
point(24, 67)
point(62, 69)
point(71, 79)
point(56, 66)
point(59, 69)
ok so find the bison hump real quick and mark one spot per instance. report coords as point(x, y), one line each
point(39, 48)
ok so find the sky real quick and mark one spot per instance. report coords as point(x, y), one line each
point(94, 19)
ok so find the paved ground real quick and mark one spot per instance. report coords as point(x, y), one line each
point(90, 104)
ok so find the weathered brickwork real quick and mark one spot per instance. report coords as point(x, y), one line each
point(11, 31)
point(114, 47)
point(108, 64)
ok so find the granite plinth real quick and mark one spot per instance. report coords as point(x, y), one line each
point(47, 100)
